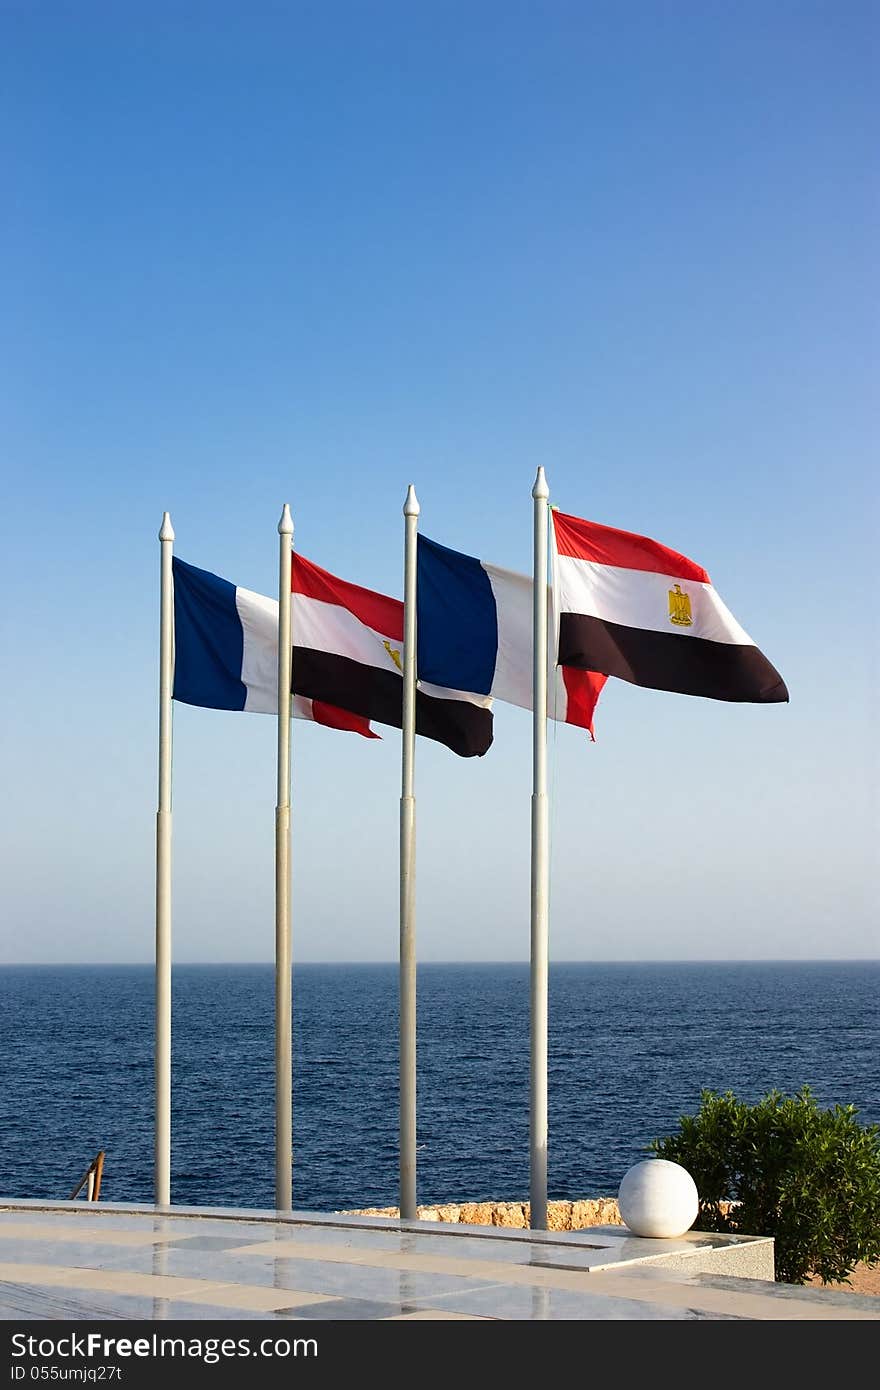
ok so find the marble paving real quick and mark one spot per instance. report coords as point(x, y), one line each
point(73, 1260)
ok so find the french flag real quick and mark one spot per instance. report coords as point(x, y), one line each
point(632, 608)
point(347, 645)
point(475, 632)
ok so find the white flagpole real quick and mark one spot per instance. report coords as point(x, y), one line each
point(162, 1152)
point(540, 873)
point(283, 988)
point(408, 1209)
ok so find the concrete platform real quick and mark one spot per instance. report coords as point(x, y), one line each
point(71, 1260)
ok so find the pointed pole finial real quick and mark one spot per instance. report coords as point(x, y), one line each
point(411, 505)
point(166, 531)
point(285, 525)
point(540, 490)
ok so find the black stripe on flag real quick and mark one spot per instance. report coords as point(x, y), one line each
point(463, 727)
point(669, 661)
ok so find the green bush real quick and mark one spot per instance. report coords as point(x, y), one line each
point(784, 1168)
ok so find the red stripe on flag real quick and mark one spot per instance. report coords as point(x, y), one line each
point(583, 689)
point(383, 615)
point(334, 718)
point(603, 545)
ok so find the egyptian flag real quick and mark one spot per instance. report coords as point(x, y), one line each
point(632, 608)
point(348, 653)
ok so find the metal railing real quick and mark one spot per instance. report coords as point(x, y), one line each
point(90, 1180)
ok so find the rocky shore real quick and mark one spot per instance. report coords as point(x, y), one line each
point(561, 1216)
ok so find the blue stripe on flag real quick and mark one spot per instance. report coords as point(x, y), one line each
point(208, 640)
point(457, 620)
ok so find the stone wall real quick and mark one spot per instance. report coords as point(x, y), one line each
point(561, 1216)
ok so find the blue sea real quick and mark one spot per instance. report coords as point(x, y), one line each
point(631, 1047)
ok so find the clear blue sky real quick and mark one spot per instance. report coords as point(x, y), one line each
point(312, 252)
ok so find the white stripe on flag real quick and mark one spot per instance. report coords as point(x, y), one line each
point(513, 662)
point(640, 599)
point(442, 693)
point(258, 616)
point(327, 627)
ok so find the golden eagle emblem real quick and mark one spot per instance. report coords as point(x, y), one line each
point(679, 608)
point(394, 653)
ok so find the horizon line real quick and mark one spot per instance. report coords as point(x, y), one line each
point(647, 960)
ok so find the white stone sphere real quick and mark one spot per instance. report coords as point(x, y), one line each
point(658, 1198)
